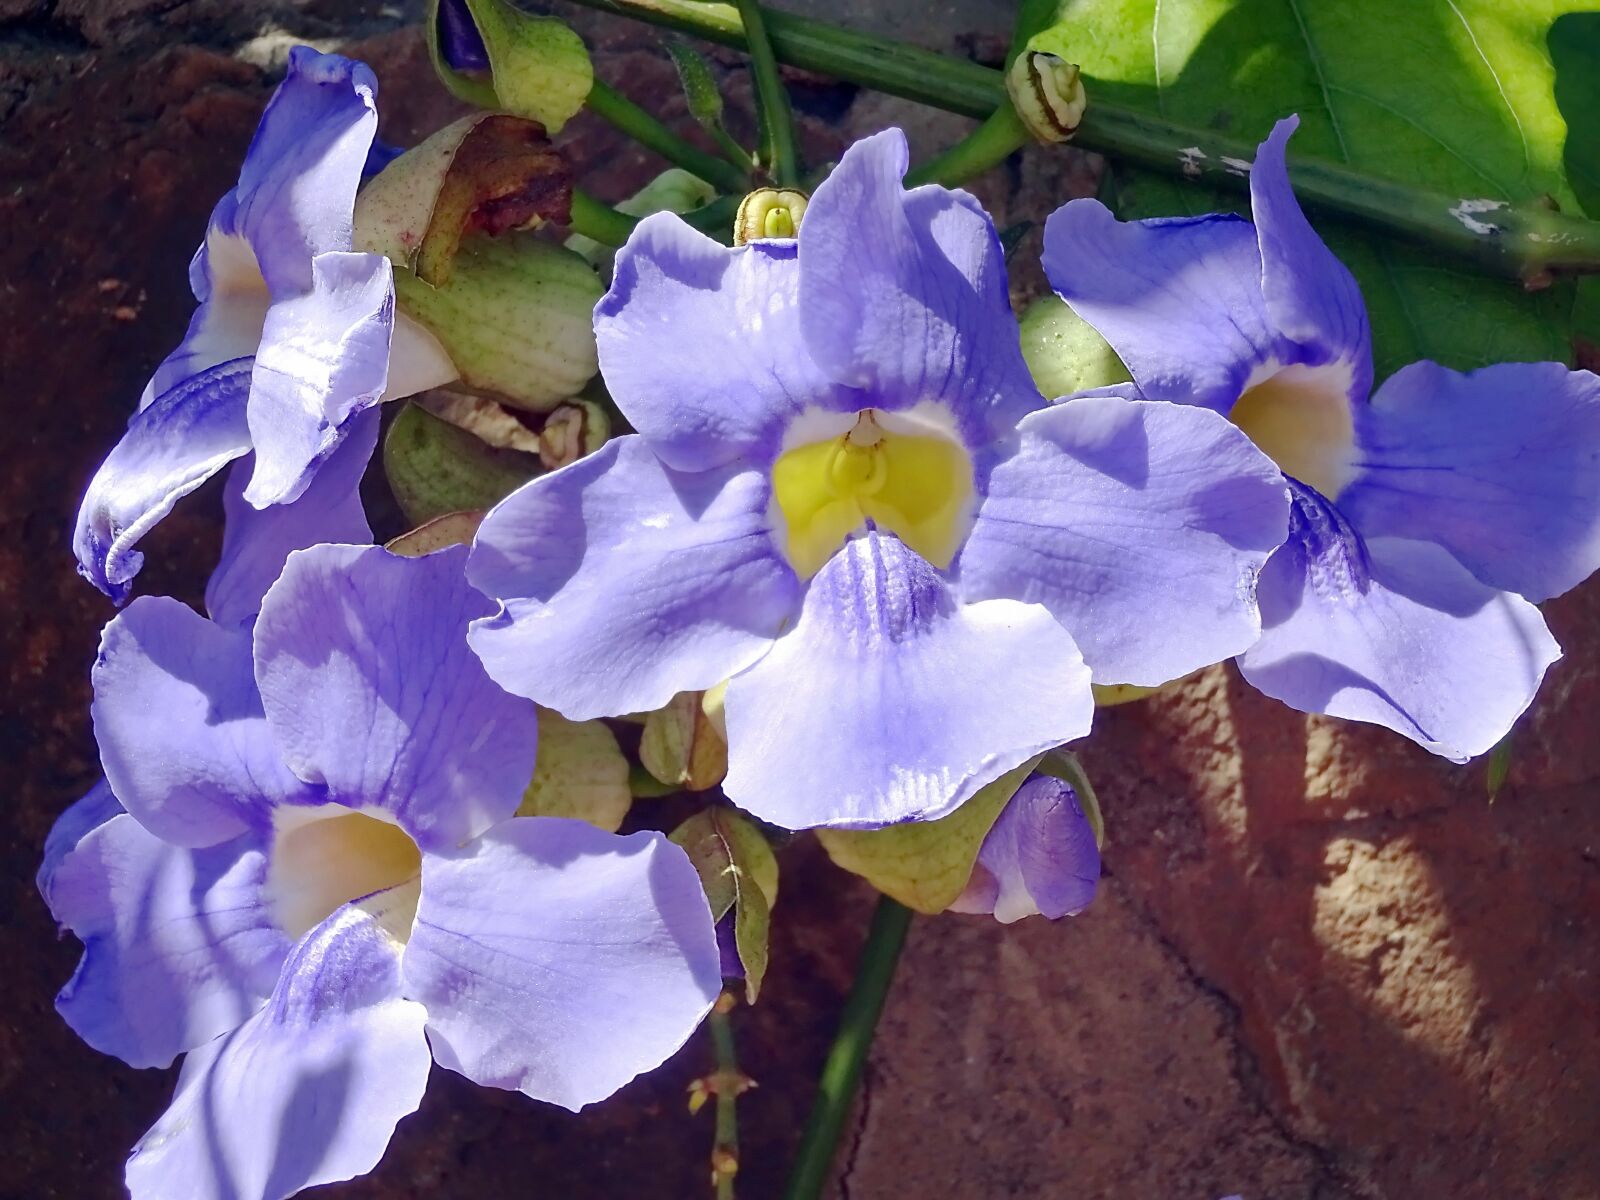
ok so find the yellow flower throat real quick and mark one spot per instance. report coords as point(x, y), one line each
point(917, 486)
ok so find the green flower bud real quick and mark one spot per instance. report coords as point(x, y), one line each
point(769, 213)
point(492, 54)
point(516, 317)
point(1065, 354)
point(434, 468)
point(571, 431)
point(1045, 88)
point(681, 745)
point(674, 190)
point(580, 772)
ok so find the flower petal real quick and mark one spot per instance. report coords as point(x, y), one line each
point(1140, 525)
point(257, 541)
point(1312, 297)
point(371, 691)
point(307, 1091)
point(726, 392)
point(1178, 299)
point(904, 293)
point(324, 358)
point(185, 436)
point(890, 701)
point(1039, 858)
point(178, 945)
point(1394, 632)
point(86, 814)
point(183, 740)
point(1501, 467)
point(623, 582)
point(297, 187)
point(559, 960)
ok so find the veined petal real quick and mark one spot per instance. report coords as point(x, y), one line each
point(904, 294)
point(307, 1091)
point(1313, 299)
point(559, 960)
point(1178, 299)
point(257, 541)
point(725, 391)
point(171, 447)
point(178, 945)
point(372, 693)
point(1394, 632)
point(1039, 858)
point(1140, 526)
point(1501, 467)
point(183, 740)
point(297, 187)
point(324, 358)
point(891, 701)
point(623, 582)
point(86, 814)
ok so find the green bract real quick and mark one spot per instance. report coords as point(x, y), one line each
point(538, 68)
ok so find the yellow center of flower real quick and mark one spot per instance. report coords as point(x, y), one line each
point(916, 485)
point(326, 856)
point(1299, 417)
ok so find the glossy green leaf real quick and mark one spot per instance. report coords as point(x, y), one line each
point(925, 865)
point(580, 772)
point(1448, 95)
point(738, 871)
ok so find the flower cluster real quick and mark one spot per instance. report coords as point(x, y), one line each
point(316, 864)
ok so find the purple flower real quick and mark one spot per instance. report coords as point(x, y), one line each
point(847, 498)
point(294, 340)
point(319, 876)
point(1040, 857)
point(1426, 516)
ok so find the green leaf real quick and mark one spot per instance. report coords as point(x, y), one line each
point(682, 747)
point(538, 68)
point(925, 865)
point(580, 772)
point(1499, 769)
point(1454, 96)
point(434, 468)
point(1575, 51)
point(738, 871)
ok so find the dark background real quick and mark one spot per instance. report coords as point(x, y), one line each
point(1322, 965)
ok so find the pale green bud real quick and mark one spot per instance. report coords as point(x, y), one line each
point(1046, 89)
point(682, 746)
point(434, 468)
point(1065, 354)
point(492, 54)
point(572, 430)
point(674, 190)
point(769, 213)
point(580, 772)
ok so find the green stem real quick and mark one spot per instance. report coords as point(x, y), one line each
point(1522, 241)
point(777, 119)
point(842, 1072)
point(725, 1149)
point(987, 146)
point(599, 221)
point(645, 129)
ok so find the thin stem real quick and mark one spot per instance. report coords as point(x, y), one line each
point(1522, 241)
point(645, 129)
point(777, 119)
point(725, 1149)
point(987, 146)
point(842, 1072)
point(599, 221)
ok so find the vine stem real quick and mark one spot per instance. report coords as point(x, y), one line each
point(725, 1147)
point(987, 146)
point(841, 1074)
point(611, 105)
point(777, 119)
point(1525, 242)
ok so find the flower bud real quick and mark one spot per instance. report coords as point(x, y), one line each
point(1065, 354)
point(571, 431)
point(1047, 90)
point(1040, 857)
point(580, 772)
point(681, 745)
point(434, 468)
point(769, 213)
point(492, 54)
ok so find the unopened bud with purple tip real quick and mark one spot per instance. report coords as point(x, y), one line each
point(1040, 857)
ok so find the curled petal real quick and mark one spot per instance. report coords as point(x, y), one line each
point(182, 736)
point(891, 701)
point(372, 693)
point(86, 814)
point(185, 436)
point(307, 1091)
point(904, 294)
point(1501, 467)
point(1394, 632)
point(257, 541)
point(1140, 526)
point(559, 960)
point(178, 945)
point(1039, 858)
point(623, 582)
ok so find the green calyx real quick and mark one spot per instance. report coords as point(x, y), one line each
point(538, 68)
